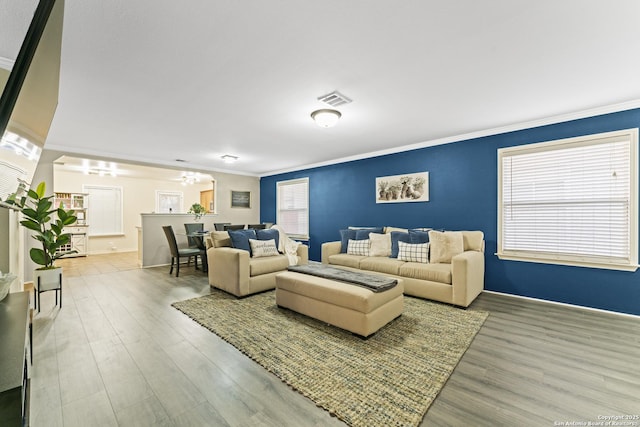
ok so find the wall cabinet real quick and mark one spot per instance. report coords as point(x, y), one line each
point(208, 198)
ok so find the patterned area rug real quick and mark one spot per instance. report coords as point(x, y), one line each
point(389, 379)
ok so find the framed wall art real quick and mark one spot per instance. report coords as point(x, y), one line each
point(241, 199)
point(411, 187)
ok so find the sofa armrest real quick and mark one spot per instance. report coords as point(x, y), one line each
point(328, 249)
point(303, 254)
point(229, 269)
point(467, 277)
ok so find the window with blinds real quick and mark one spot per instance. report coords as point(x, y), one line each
point(292, 202)
point(571, 201)
point(169, 202)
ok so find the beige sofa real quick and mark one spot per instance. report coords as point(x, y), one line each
point(457, 283)
point(234, 271)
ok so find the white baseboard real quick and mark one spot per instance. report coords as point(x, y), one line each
point(635, 316)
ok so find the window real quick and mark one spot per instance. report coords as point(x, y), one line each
point(169, 201)
point(571, 201)
point(104, 214)
point(293, 207)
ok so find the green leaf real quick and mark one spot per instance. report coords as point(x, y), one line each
point(28, 212)
point(57, 229)
point(41, 189)
point(38, 256)
point(63, 239)
point(30, 224)
point(33, 195)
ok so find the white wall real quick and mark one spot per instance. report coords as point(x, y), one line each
point(139, 197)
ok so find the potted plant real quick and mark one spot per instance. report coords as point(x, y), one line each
point(47, 224)
point(198, 210)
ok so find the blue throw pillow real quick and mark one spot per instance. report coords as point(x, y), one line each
point(364, 234)
point(398, 236)
point(418, 236)
point(269, 234)
point(240, 238)
point(345, 236)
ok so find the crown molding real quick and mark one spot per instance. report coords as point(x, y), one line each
point(613, 108)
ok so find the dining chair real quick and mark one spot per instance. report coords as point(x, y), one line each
point(219, 226)
point(233, 227)
point(257, 226)
point(177, 253)
point(191, 241)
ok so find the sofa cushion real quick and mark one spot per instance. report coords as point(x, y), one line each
point(240, 238)
point(380, 244)
point(418, 252)
point(221, 239)
point(263, 248)
point(358, 247)
point(433, 272)
point(269, 234)
point(473, 240)
point(381, 264)
point(346, 260)
point(265, 265)
point(445, 245)
point(397, 236)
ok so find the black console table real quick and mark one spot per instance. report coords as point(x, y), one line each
point(14, 352)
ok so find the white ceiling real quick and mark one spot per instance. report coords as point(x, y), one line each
point(158, 80)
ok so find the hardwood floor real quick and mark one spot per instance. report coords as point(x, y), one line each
point(117, 353)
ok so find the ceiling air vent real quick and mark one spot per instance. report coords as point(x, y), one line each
point(335, 99)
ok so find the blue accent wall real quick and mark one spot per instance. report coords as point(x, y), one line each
point(463, 196)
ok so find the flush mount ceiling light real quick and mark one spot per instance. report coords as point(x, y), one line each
point(20, 145)
point(228, 158)
point(100, 168)
point(326, 118)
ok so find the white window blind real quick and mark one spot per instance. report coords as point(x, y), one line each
point(570, 201)
point(104, 215)
point(293, 207)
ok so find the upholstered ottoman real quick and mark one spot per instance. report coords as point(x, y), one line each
point(347, 306)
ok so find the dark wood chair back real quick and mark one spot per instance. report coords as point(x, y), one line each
point(234, 227)
point(171, 239)
point(192, 228)
point(257, 226)
point(219, 226)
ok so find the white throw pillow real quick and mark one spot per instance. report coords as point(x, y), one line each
point(445, 245)
point(380, 244)
point(413, 252)
point(263, 248)
point(358, 247)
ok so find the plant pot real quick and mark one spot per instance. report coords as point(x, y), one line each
point(49, 279)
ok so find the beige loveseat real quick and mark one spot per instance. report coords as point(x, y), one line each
point(234, 271)
point(457, 283)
